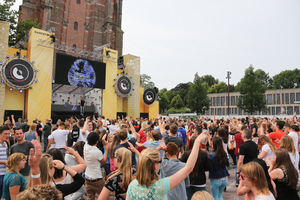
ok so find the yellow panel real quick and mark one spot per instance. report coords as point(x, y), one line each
point(153, 110)
point(14, 100)
point(109, 106)
point(13, 51)
point(38, 103)
point(142, 105)
point(4, 27)
point(120, 104)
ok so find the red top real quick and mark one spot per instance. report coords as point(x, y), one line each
point(276, 137)
point(238, 141)
point(142, 140)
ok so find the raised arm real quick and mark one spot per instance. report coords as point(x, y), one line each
point(34, 163)
point(177, 178)
point(161, 128)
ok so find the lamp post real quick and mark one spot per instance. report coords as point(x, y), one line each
point(228, 77)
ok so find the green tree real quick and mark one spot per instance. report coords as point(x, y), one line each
point(197, 97)
point(287, 79)
point(209, 79)
point(218, 88)
point(265, 79)
point(177, 102)
point(164, 103)
point(182, 89)
point(145, 81)
point(7, 14)
point(251, 92)
point(22, 28)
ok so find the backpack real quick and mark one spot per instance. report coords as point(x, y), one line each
point(75, 133)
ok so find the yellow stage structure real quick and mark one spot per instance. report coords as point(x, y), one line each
point(36, 102)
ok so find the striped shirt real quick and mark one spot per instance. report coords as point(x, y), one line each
point(3, 157)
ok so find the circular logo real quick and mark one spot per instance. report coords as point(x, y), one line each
point(18, 73)
point(149, 96)
point(124, 85)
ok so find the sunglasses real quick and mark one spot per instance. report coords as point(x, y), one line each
point(242, 177)
point(159, 161)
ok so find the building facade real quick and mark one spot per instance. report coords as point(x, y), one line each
point(278, 102)
point(83, 24)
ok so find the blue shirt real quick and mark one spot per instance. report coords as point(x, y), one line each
point(183, 133)
point(10, 180)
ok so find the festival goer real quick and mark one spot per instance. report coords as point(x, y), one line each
point(41, 192)
point(284, 174)
point(4, 151)
point(46, 132)
point(119, 180)
point(253, 177)
point(31, 134)
point(218, 173)
point(14, 182)
point(170, 166)
point(276, 136)
point(267, 149)
point(197, 177)
point(287, 143)
point(147, 184)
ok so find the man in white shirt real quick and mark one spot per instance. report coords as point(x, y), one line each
point(94, 180)
point(88, 127)
point(59, 137)
point(294, 135)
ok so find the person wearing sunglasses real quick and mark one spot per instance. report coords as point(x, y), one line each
point(148, 185)
point(253, 177)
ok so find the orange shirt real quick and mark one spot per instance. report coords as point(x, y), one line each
point(276, 137)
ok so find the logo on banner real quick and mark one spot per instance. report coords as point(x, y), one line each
point(18, 73)
point(149, 96)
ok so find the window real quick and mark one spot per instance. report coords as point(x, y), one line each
point(292, 98)
point(75, 26)
point(273, 110)
point(233, 101)
point(282, 95)
point(74, 48)
point(224, 113)
point(218, 101)
point(287, 98)
point(240, 111)
point(278, 110)
point(296, 109)
point(212, 111)
point(78, 1)
point(297, 96)
point(219, 111)
point(214, 101)
point(222, 101)
point(278, 98)
point(235, 111)
point(274, 99)
point(269, 99)
point(289, 110)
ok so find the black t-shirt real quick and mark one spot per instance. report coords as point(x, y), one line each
point(252, 127)
point(114, 185)
point(126, 145)
point(249, 150)
point(39, 129)
point(82, 102)
point(23, 148)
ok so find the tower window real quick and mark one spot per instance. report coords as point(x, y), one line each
point(75, 26)
point(74, 47)
point(78, 1)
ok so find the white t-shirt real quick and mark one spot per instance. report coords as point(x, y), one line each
point(295, 160)
point(51, 145)
point(84, 137)
point(270, 154)
point(59, 137)
point(265, 197)
point(112, 128)
point(92, 157)
point(294, 136)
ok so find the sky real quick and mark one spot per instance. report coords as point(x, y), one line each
point(175, 39)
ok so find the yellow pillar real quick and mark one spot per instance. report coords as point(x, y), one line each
point(38, 104)
point(4, 27)
point(109, 105)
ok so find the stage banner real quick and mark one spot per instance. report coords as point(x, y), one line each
point(38, 99)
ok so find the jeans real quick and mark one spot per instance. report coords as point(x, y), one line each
point(237, 181)
point(217, 187)
point(1, 185)
point(192, 189)
point(45, 142)
point(79, 193)
point(81, 110)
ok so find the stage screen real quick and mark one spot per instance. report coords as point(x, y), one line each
point(79, 72)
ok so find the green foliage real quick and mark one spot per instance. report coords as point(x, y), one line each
point(265, 79)
point(7, 14)
point(287, 79)
point(197, 97)
point(23, 27)
point(177, 102)
point(145, 81)
point(251, 92)
point(164, 103)
point(218, 88)
point(182, 89)
point(209, 79)
point(180, 110)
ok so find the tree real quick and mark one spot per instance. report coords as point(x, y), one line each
point(22, 28)
point(177, 102)
point(251, 92)
point(7, 14)
point(197, 97)
point(164, 103)
point(182, 89)
point(265, 79)
point(287, 79)
point(145, 81)
point(218, 88)
point(209, 79)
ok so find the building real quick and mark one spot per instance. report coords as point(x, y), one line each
point(279, 102)
point(83, 24)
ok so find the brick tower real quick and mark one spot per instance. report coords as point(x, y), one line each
point(83, 24)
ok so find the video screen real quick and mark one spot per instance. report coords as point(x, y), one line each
point(70, 70)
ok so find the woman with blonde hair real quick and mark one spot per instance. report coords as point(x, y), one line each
point(148, 185)
point(267, 149)
point(284, 174)
point(119, 180)
point(287, 143)
point(143, 136)
point(253, 177)
point(202, 195)
point(31, 134)
point(41, 192)
point(14, 182)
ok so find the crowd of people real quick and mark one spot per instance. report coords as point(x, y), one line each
point(144, 159)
